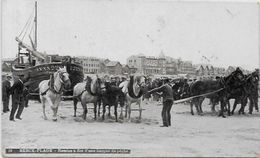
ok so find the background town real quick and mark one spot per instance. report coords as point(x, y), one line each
point(160, 65)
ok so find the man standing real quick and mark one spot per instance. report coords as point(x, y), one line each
point(17, 98)
point(6, 87)
point(167, 94)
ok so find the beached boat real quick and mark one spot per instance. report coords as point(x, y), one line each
point(39, 66)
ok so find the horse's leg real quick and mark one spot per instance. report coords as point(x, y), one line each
point(251, 104)
point(109, 114)
point(222, 104)
point(256, 102)
point(191, 107)
point(140, 109)
point(129, 112)
point(99, 104)
point(75, 102)
point(243, 105)
point(126, 109)
point(104, 111)
point(115, 112)
point(43, 107)
point(213, 102)
point(121, 113)
point(52, 107)
point(56, 106)
point(234, 106)
point(196, 102)
point(85, 110)
point(200, 105)
point(95, 110)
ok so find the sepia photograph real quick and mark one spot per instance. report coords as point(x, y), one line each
point(130, 78)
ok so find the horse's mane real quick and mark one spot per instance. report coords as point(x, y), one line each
point(90, 85)
point(131, 88)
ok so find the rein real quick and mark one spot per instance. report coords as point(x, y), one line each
point(201, 95)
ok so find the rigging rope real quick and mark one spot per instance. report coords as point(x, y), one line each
point(27, 28)
point(26, 25)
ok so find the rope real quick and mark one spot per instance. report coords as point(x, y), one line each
point(26, 25)
point(27, 28)
point(201, 95)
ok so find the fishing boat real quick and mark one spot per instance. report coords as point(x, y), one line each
point(38, 66)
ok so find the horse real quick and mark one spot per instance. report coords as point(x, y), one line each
point(224, 87)
point(110, 98)
point(248, 90)
point(87, 92)
point(133, 90)
point(51, 90)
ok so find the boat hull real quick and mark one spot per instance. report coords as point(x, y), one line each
point(42, 72)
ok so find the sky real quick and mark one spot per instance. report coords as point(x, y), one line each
point(217, 33)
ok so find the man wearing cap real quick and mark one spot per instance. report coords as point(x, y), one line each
point(167, 94)
point(17, 98)
point(6, 87)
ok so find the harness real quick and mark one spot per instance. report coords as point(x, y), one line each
point(51, 85)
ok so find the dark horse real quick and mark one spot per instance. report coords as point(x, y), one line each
point(110, 98)
point(224, 88)
point(248, 90)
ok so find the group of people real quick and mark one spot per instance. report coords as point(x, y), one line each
point(17, 91)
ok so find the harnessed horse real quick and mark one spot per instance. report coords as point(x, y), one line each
point(87, 92)
point(228, 84)
point(51, 90)
point(133, 91)
point(249, 90)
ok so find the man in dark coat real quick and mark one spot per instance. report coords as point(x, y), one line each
point(167, 94)
point(6, 87)
point(17, 98)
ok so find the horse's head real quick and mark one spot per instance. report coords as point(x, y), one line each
point(238, 75)
point(140, 81)
point(64, 77)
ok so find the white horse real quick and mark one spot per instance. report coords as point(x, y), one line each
point(87, 92)
point(133, 91)
point(51, 90)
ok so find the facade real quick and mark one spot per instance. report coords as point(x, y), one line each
point(209, 70)
point(91, 65)
point(114, 67)
point(186, 67)
point(147, 65)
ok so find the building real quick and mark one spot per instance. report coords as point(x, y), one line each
point(171, 66)
point(147, 65)
point(91, 65)
point(186, 67)
point(113, 67)
point(208, 70)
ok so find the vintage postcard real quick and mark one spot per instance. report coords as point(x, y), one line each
point(130, 78)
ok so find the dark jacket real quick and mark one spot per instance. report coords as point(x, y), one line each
point(6, 87)
point(17, 88)
point(167, 92)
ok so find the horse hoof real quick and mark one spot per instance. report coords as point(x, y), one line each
point(54, 119)
point(45, 118)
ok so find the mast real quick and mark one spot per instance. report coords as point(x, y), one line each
point(35, 22)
